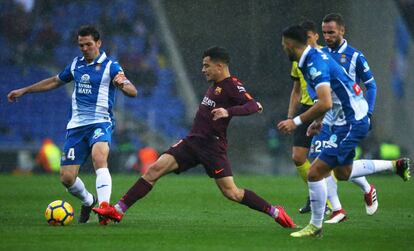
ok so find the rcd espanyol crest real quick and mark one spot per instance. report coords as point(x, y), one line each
point(85, 79)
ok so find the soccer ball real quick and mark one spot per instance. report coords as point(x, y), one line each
point(59, 213)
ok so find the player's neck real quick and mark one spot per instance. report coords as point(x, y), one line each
point(94, 58)
point(223, 76)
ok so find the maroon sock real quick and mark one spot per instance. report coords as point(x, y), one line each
point(255, 202)
point(136, 192)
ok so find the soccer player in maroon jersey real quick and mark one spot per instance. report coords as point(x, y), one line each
point(206, 143)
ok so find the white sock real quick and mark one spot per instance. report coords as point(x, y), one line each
point(103, 184)
point(366, 167)
point(317, 193)
point(332, 189)
point(78, 190)
point(362, 183)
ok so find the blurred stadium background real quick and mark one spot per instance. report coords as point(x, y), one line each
point(159, 44)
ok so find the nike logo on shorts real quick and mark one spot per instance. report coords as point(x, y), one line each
point(218, 171)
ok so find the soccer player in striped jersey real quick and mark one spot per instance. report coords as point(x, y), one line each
point(339, 95)
point(355, 64)
point(300, 101)
point(96, 79)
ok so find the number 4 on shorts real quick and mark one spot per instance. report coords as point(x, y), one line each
point(71, 154)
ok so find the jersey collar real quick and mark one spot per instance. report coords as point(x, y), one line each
point(341, 48)
point(102, 56)
point(304, 54)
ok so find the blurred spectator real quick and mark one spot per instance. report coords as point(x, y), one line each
point(146, 156)
point(49, 156)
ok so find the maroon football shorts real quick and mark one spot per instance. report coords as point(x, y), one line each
point(194, 150)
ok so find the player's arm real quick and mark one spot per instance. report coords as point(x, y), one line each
point(41, 86)
point(318, 110)
point(125, 85)
point(294, 98)
point(364, 73)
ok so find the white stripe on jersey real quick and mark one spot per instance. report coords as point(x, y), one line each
point(102, 103)
point(369, 80)
point(335, 116)
point(352, 66)
point(74, 105)
point(358, 103)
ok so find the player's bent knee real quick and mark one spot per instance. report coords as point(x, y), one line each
point(67, 179)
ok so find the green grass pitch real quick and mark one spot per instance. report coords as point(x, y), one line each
point(188, 213)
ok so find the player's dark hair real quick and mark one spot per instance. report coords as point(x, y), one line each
point(296, 33)
point(309, 25)
point(89, 30)
point(335, 17)
point(217, 53)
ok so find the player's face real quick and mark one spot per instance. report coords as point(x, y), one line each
point(288, 48)
point(211, 70)
point(312, 38)
point(332, 33)
point(89, 47)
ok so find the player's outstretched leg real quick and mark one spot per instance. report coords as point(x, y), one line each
point(139, 190)
point(165, 164)
point(402, 167)
point(253, 201)
point(366, 167)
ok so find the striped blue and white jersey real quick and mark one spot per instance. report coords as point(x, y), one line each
point(320, 69)
point(357, 67)
point(93, 94)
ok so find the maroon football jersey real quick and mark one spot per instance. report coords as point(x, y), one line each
point(229, 94)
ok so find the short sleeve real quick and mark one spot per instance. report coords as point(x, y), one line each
point(319, 73)
point(115, 69)
point(66, 75)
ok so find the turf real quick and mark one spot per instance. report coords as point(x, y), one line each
point(189, 213)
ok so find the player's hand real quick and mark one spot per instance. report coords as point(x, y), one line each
point(286, 126)
point(120, 80)
point(219, 113)
point(13, 95)
point(314, 128)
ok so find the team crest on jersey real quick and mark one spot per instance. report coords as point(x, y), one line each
point(97, 133)
point(314, 73)
point(343, 59)
point(85, 79)
point(217, 91)
point(98, 67)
